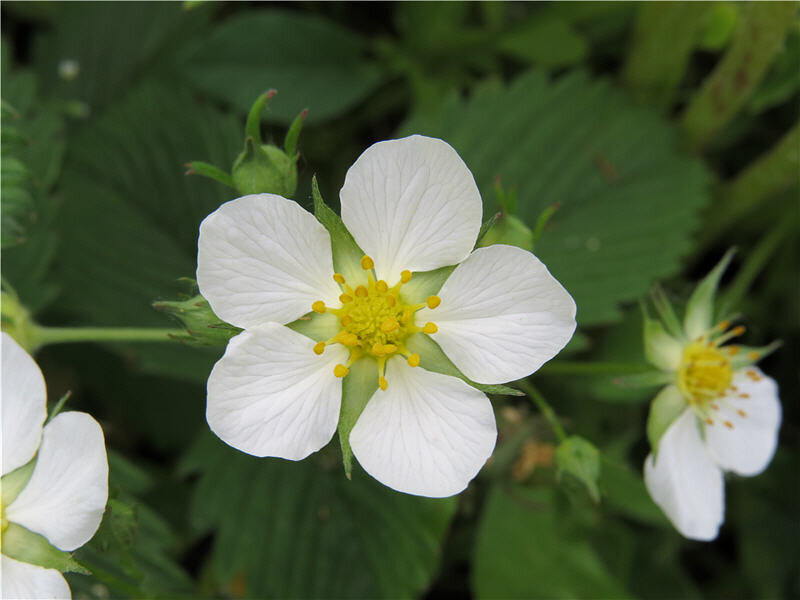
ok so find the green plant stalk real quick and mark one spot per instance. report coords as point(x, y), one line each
point(664, 37)
point(546, 410)
point(755, 263)
point(43, 336)
point(574, 367)
point(757, 40)
point(770, 174)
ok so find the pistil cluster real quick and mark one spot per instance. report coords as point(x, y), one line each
point(375, 321)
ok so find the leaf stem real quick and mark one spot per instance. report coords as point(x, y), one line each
point(62, 335)
point(575, 367)
point(546, 410)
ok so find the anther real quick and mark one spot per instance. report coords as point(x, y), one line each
point(377, 348)
point(390, 300)
point(732, 350)
point(406, 316)
point(728, 424)
point(744, 395)
point(389, 348)
point(405, 276)
point(319, 347)
point(433, 301)
point(738, 330)
point(367, 263)
point(741, 413)
point(318, 307)
point(346, 320)
point(389, 325)
point(430, 328)
point(413, 360)
point(382, 383)
point(382, 286)
point(340, 370)
point(724, 325)
point(339, 278)
point(753, 355)
point(361, 292)
point(715, 407)
point(344, 298)
point(709, 421)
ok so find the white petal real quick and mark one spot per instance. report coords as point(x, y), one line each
point(428, 434)
point(67, 492)
point(263, 258)
point(24, 581)
point(270, 395)
point(747, 448)
point(685, 482)
point(24, 400)
point(502, 315)
point(411, 204)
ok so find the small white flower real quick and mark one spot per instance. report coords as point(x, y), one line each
point(412, 206)
point(720, 414)
point(66, 494)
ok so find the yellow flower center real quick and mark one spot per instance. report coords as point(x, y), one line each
point(705, 376)
point(705, 372)
point(375, 321)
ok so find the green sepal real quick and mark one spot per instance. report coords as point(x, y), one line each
point(660, 348)
point(357, 388)
point(58, 406)
point(665, 408)
point(14, 482)
point(293, 134)
point(318, 327)
point(699, 316)
point(29, 547)
point(541, 222)
point(252, 128)
point(434, 359)
point(203, 327)
point(264, 169)
point(745, 356)
point(666, 313)
point(485, 228)
point(346, 253)
point(581, 459)
point(509, 230)
point(207, 170)
point(424, 284)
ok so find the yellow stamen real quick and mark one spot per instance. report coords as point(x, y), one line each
point(377, 349)
point(741, 413)
point(405, 276)
point(340, 370)
point(753, 355)
point(367, 263)
point(346, 320)
point(361, 292)
point(382, 286)
point(430, 328)
point(433, 301)
point(709, 421)
point(319, 347)
point(382, 383)
point(391, 300)
point(344, 298)
point(413, 360)
point(733, 350)
point(339, 278)
point(389, 325)
point(389, 348)
point(318, 307)
point(728, 424)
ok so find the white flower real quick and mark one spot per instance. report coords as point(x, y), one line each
point(720, 414)
point(412, 206)
point(65, 496)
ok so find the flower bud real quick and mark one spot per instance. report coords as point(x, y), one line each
point(203, 327)
point(264, 169)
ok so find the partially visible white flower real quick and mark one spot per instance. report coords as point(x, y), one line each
point(66, 494)
point(721, 413)
point(412, 206)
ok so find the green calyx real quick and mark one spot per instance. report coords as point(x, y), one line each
point(203, 327)
point(260, 168)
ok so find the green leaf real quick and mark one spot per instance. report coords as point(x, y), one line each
point(130, 228)
point(550, 42)
point(434, 359)
point(666, 407)
point(27, 546)
point(624, 492)
point(302, 530)
point(527, 547)
point(700, 308)
point(311, 62)
point(613, 168)
point(581, 459)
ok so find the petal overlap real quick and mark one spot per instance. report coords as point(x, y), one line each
point(502, 315)
point(271, 395)
point(685, 482)
point(24, 406)
point(411, 204)
point(66, 495)
point(262, 258)
point(427, 434)
point(753, 412)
